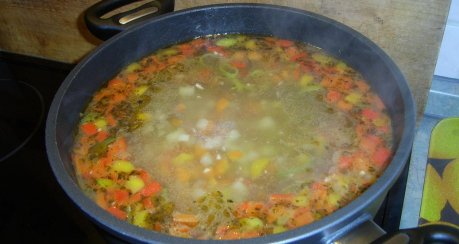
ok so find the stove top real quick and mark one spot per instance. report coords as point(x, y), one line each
point(34, 207)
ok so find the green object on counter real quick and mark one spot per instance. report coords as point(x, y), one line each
point(440, 199)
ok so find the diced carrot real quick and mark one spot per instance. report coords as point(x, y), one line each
point(147, 203)
point(362, 85)
point(234, 155)
point(121, 196)
point(221, 230)
point(135, 198)
point(329, 81)
point(301, 216)
point(98, 171)
point(250, 209)
point(150, 68)
point(89, 129)
point(345, 162)
point(238, 64)
point(345, 83)
point(186, 49)
point(297, 56)
point(118, 97)
point(197, 42)
point(381, 155)
point(102, 135)
point(284, 43)
point(144, 175)
point(319, 193)
point(131, 77)
point(188, 219)
point(150, 189)
point(297, 72)
point(369, 114)
point(361, 130)
point(361, 161)
point(344, 105)
point(369, 143)
point(106, 161)
point(111, 120)
point(115, 83)
point(119, 145)
point(222, 104)
point(175, 59)
point(278, 211)
point(333, 96)
point(101, 200)
point(120, 214)
point(318, 186)
point(281, 198)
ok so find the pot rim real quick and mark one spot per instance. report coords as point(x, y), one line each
point(133, 233)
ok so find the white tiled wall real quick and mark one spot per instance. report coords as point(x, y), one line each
point(448, 59)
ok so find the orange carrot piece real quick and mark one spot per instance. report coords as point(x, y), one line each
point(188, 219)
point(102, 135)
point(118, 97)
point(115, 83)
point(238, 64)
point(147, 203)
point(344, 105)
point(369, 114)
point(333, 96)
point(120, 214)
point(175, 59)
point(345, 162)
point(369, 143)
point(234, 155)
point(278, 211)
point(381, 156)
point(101, 200)
point(120, 144)
point(284, 43)
point(362, 85)
point(89, 129)
point(150, 189)
point(250, 209)
point(281, 198)
point(111, 120)
point(135, 198)
point(302, 216)
point(131, 77)
point(144, 175)
point(121, 196)
point(222, 104)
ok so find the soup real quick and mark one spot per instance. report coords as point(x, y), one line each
point(230, 137)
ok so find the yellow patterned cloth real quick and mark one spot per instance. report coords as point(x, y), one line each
point(440, 200)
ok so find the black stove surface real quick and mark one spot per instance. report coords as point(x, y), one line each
point(33, 207)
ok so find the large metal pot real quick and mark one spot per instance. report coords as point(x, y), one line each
point(130, 45)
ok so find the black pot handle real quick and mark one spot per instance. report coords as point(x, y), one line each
point(108, 27)
point(432, 233)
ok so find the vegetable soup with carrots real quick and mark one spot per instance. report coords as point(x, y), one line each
point(230, 137)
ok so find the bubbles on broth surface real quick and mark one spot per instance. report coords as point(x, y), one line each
point(224, 133)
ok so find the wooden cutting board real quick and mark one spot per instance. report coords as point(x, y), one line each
point(410, 31)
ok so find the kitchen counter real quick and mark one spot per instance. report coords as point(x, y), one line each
point(410, 31)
